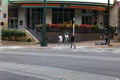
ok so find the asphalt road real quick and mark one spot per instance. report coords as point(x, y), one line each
point(55, 64)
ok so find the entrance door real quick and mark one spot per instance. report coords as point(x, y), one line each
point(13, 23)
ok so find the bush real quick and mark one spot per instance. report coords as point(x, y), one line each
point(77, 26)
point(28, 40)
point(85, 26)
point(39, 25)
point(53, 25)
point(13, 35)
point(94, 26)
point(69, 25)
point(62, 26)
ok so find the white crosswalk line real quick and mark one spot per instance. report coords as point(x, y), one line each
point(50, 73)
point(88, 50)
point(97, 50)
point(10, 47)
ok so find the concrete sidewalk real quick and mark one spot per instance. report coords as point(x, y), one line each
point(55, 45)
point(90, 44)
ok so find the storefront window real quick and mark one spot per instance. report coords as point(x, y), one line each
point(34, 17)
point(62, 15)
point(89, 17)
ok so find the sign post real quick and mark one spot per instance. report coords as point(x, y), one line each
point(1, 24)
point(74, 26)
point(0, 35)
point(107, 39)
point(44, 42)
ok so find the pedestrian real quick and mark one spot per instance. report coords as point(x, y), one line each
point(66, 40)
point(107, 40)
point(72, 41)
point(60, 40)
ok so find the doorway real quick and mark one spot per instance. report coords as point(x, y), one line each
point(13, 23)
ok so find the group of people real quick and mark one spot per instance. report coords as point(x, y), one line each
point(66, 40)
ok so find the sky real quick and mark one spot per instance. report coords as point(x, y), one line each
point(98, 1)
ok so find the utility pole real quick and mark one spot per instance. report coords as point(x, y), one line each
point(108, 15)
point(44, 42)
point(0, 35)
point(107, 39)
point(73, 25)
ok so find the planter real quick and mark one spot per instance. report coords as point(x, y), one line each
point(79, 30)
point(53, 30)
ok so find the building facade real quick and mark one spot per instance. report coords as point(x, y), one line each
point(23, 14)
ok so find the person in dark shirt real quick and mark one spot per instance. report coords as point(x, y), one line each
point(107, 40)
point(72, 41)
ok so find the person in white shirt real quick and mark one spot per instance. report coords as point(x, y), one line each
point(66, 41)
point(60, 40)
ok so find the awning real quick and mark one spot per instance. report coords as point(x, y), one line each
point(53, 5)
point(96, 2)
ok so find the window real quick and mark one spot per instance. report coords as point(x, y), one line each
point(89, 16)
point(13, 12)
point(62, 15)
point(34, 17)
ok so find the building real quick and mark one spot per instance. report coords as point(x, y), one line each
point(22, 14)
point(28, 13)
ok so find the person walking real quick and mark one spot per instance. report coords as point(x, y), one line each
point(66, 40)
point(107, 40)
point(60, 40)
point(72, 40)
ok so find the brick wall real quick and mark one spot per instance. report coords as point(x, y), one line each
point(52, 37)
point(114, 15)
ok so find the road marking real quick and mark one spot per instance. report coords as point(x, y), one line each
point(89, 50)
point(97, 50)
point(10, 47)
point(49, 73)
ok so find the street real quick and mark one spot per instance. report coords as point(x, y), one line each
point(83, 63)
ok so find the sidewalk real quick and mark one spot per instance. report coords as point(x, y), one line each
point(90, 44)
